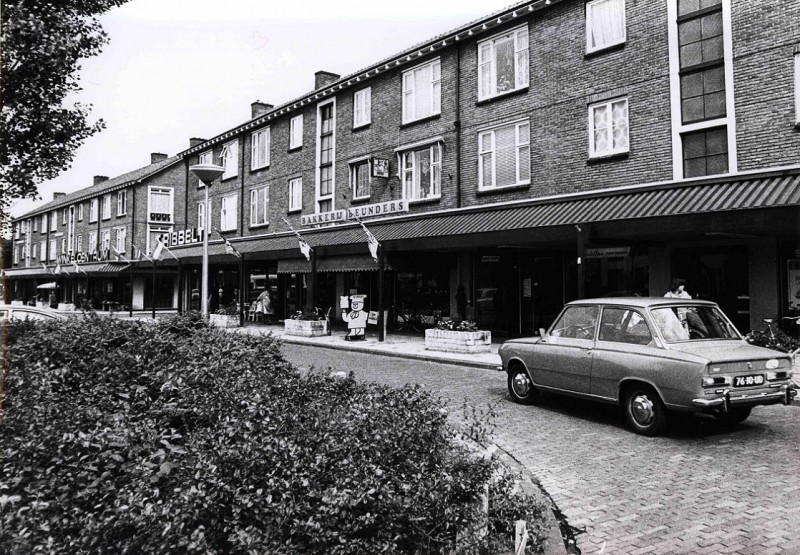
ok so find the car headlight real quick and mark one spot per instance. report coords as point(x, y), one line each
point(772, 364)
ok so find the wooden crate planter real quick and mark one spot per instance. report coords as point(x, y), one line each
point(305, 328)
point(223, 320)
point(458, 341)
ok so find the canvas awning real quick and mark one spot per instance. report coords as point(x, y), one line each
point(349, 263)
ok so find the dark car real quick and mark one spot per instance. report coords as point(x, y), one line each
point(653, 356)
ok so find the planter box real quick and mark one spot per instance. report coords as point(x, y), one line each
point(305, 328)
point(223, 320)
point(458, 341)
point(66, 306)
point(18, 303)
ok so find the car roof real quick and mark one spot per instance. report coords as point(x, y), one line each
point(641, 302)
point(26, 308)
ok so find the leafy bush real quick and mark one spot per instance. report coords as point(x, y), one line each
point(125, 437)
point(457, 325)
point(230, 310)
point(313, 315)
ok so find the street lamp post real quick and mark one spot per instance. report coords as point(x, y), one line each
point(206, 173)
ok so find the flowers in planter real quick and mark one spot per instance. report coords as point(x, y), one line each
point(457, 325)
point(231, 310)
point(309, 315)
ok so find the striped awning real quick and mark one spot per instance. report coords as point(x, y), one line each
point(351, 263)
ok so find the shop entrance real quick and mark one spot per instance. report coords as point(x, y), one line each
point(541, 292)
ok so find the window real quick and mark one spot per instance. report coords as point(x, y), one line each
point(605, 24)
point(43, 225)
point(120, 234)
point(205, 158)
point(78, 243)
point(259, 155)
point(295, 194)
point(35, 224)
point(296, 132)
point(92, 241)
point(15, 250)
point(422, 173)
point(43, 251)
point(159, 204)
point(259, 206)
point(360, 179)
point(228, 213)
point(577, 322)
point(64, 245)
point(54, 221)
point(105, 240)
point(705, 152)
point(362, 107)
point(201, 219)
point(64, 216)
point(504, 156)
point(503, 63)
point(702, 62)
point(106, 207)
point(620, 325)
point(325, 158)
point(33, 250)
point(17, 227)
point(422, 91)
point(608, 128)
point(230, 159)
point(80, 212)
point(93, 210)
point(53, 253)
point(797, 88)
point(153, 234)
point(122, 202)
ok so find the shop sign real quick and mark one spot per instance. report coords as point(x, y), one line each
point(356, 212)
point(380, 167)
point(490, 258)
point(183, 237)
point(609, 252)
point(84, 257)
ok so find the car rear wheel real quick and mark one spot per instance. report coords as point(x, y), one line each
point(520, 386)
point(734, 416)
point(644, 410)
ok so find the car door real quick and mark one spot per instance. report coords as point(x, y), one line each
point(564, 357)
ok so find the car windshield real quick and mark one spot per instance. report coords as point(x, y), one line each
point(690, 323)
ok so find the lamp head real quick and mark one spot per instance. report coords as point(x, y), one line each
point(207, 173)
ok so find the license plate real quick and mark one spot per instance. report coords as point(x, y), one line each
point(748, 381)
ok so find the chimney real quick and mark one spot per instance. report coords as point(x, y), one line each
point(156, 157)
point(99, 179)
point(194, 141)
point(324, 78)
point(58, 195)
point(259, 108)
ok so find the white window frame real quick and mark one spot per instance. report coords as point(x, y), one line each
point(53, 249)
point(295, 190)
point(80, 212)
point(259, 148)
point(120, 238)
point(296, 132)
point(797, 87)
point(17, 227)
point(92, 245)
point(201, 220)
point(15, 251)
point(122, 202)
point(230, 159)
point(593, 18)
point(411, 86)
point(319, 197)
point(78, 243)
point(204, 158)
point(487, 63)
point(43, 251)
point(34, 246)
point(43, 224)
point(154, 230)
point(105, 240)
point(35, 224)
point(254, 205)
point(522, 141)
point(412, 155)
point(63, 245)
point(362, 107)
point(54, 221)
point(353, 164)
point(229, 212)
point(152, 189)
point(105, 207)
point(609, 104)
point(64, 213)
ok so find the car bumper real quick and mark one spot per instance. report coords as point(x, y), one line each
point(782, 394)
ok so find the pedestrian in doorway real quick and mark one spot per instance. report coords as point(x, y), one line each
point(688, 316)
point(264, 305)
point(53, 301)
point(677, 289)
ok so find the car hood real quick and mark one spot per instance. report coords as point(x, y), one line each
point(726, 351)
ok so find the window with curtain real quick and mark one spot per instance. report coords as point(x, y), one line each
point(360, 179)
point(122, 202)
point(92, 242)
point(259, 206)
point(201, 214)
point(605, 24)
point(608, 128)
point(228, 213)
point(80, 213)
point(230, 159)
point(504, 156)
point(260, 142)
point(120, 235)
point(422, 173)
point(422, 91)
point(295, 194)
point(159, 205)
point(503, 63)
point(106, 207)
point(296, 132)
point(362, 107)
point(54, 218)
point(105, 239)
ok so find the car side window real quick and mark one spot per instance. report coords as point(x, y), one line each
point(621, 325)
point(577, 322)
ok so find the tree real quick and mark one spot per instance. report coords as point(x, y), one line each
point(43, 42)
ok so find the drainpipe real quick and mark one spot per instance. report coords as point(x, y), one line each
point(457, 126)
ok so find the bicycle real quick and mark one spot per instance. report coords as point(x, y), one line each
point(777, 340)
point(414, 321)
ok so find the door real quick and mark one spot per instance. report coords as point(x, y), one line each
point(563, 359)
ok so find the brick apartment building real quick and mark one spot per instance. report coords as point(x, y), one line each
point(549, 151)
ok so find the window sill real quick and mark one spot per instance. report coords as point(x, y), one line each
point(431, 200)
point(607, 158)
point(228, 178)
point(294, 148)
point(362, 127)
point(259, 168)
point(421, 120)
point(503, 189)
point(232, 230)
point(359, 200)
point(257, 226)
point(797, 125)
point(295, 211)
point(605, 50)
point(501, 96)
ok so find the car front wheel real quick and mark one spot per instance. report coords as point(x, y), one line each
point(644, 410)
point(520, 386)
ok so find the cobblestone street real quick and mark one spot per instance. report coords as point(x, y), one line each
point(700, 490)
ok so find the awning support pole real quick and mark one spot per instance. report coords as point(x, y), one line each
point(153, 295)
point(241, 289)
point(381, 264)
point(581, 277)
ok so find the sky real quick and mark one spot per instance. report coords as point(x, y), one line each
point(176, 69)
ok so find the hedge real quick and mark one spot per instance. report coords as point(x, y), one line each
point(130, 437)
